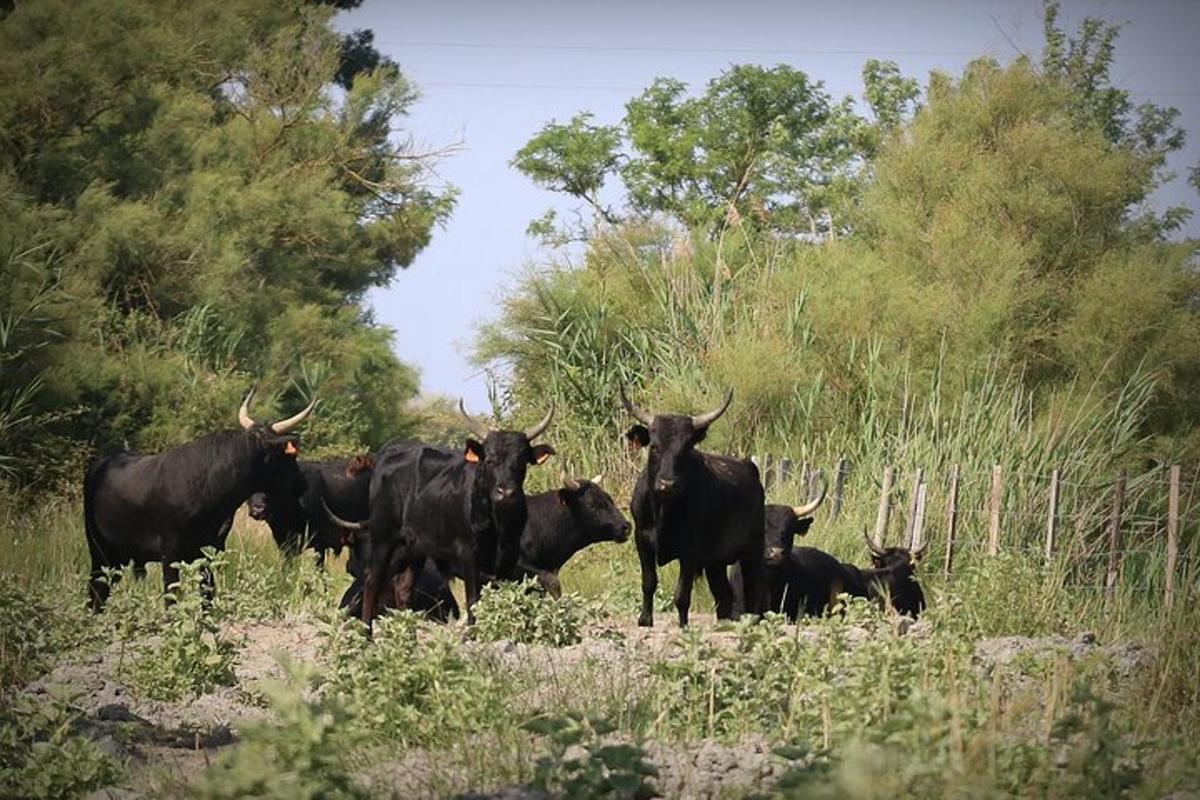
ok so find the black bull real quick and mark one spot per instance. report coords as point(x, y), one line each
point(705, 510)
point(465, 511)
point(298, 519)
point(167, 507)
point(560, 523)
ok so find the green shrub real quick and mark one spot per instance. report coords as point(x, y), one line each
point(303, 754)
point(522, 613)
point(190, 654)
point(41, 756)
point(579, 765)
point(408, 691)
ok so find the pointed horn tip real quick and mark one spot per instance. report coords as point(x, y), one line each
point(244, 418)
point(536, 430)
point(285, 425)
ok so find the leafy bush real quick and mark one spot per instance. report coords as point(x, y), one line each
point(580, 765)
point(522, 613)
point(410, 691)
point(189, 654)
point(42, 757)
point(303, 755)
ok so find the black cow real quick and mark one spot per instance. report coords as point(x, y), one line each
point(298, 519)
point(705, 510)
point(166, 507)
point(560, 523)
point(464, 510)
point(811, 579)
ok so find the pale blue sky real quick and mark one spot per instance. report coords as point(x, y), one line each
point(492, 73)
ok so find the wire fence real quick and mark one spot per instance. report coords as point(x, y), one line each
point(1123, 531)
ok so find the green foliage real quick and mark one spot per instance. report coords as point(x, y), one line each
point(214, 215)
point(766, 145)
point(303, 754)
point(42, 756)
point(580, 765)
point(190, 655)
point(407, 690)
point(523, 613)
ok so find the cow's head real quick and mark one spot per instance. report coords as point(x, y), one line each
point(671, 439)
point(782, 524)
point(504, 456)
point(276, 448)
point(593, 510)
point(896, 568)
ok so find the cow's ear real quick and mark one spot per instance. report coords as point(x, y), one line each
point(473, 452)
point(637, 437)
point(698, 434)
point(540, 452)
point(802, 525)
point(563, 496)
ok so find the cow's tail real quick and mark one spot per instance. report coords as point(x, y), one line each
point(91, 480)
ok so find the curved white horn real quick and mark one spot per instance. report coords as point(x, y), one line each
point(599, 479)
point(244, 417)
point(812, 505)
point(536, 430)
point(476, 427)
point(285, 425)
point(875, 549)
point(704, 420)
point(342, 523)
point(637, 412)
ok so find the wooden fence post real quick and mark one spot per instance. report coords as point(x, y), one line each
point(1052, 515)
point(918, 479)
point(783, 470)
point(885, 505)
point(1172, 536)
point(918, 528)
point(994, 508)
point(839, 489)
point(952, 517)
point(1114, 534)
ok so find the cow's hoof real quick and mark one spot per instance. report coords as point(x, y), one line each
point(645, 622)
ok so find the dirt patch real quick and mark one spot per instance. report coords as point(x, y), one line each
point(1127, 658)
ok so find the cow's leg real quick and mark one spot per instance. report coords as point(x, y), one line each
point(722, 592)
point(683, 589)
point(754, 582)
point(208, 586)
point(320, 557)
point(98, 585)
point(649, 584)
point(472, 584)
point(380, 559)
point(139, 571)
point(739, 590)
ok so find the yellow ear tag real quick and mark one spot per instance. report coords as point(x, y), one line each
point(471, 456)
point(290, 449)
point(543, 457)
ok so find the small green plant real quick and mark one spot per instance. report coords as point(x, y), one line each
point(41, 755)
point(303, 755)
point(411, 691)
point(190, 654)
point(580, 765)
point(521, 613)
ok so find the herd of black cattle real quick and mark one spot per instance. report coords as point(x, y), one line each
point(415, 515)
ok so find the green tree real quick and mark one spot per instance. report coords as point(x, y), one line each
point(764, 145)
point(211, 214)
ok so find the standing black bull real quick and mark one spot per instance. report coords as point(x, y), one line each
point(297, 518)
point(166, 507)
point(705, 510)
point(464, 510)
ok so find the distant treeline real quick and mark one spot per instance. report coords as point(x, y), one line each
point(984, 246)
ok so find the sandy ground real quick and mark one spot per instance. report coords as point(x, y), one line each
point(164, 744)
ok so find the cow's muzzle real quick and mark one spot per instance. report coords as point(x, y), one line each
point(774, 555)
point(666, 488)
point(622, 534)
